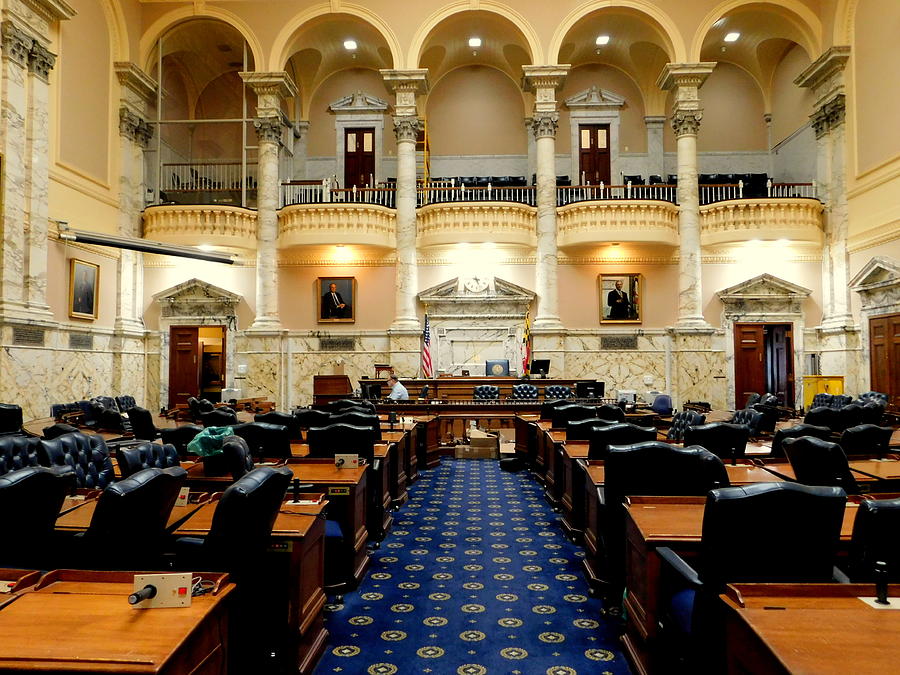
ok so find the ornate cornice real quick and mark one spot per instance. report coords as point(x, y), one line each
point(270, 84)
point(545, 125)
point(686, 122)
point(16, 43)
point(677, 75)
point(41, 61)
point(134, 127)
point(407, 128)
point(268, 129)
point(406, 85)
point(133, 78)
point(536, 78)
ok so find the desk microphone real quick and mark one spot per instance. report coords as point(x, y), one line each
point(296, 489)
point(881, 583)
point(147, 592)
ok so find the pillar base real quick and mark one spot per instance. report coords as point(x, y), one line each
point(406, 323)
point(28, 313)
point(548, 322)
point(265, 324)
point(132, 326)
point(692, 322)
point(838, 323)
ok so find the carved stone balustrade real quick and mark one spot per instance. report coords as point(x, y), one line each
point(586, 223)
point(194, 225)
point(356, 224)
point(498, 222)
point(799, 220)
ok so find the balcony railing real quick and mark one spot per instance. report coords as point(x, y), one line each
point(571, 194)
point(792, 190)
point(443, 192)
point(221, 182)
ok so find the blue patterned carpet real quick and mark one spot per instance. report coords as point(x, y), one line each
point(476, 577)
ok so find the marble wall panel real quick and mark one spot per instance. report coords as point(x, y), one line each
point(263, 377)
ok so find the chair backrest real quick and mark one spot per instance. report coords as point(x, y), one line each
point(821, 401)
point(838, 401)
point(236, 456)
point(768, 417)
point(873, 412)
point(344, 403)
point(18, 452)
point(180, 436)
point(524, 392)
point(796, 431)
point(57, 430)
point(753, 399)
point(848, 416)
point(10, 418)
point(30, 499)
point(557, 391)
point(681, 421)
point(582, 430)
point(87, 455)
point(771, 532)
point(822, 416)
point(876, 396)
point(125, 402)
point(662, 404)
point(547, 407)
point(875, 538)
point(564, 414)
point(657, 468)
point(220, 417)
point(244, 516)
point(818, 462)
point(866, 439)
point(136, 509)
point(358, 419)
point(486, 392)
point(310, 417)
point(611, 412)
point(107, 402)
point(145, 456)
point(749, 417)
point(284, 419)
point(142, 423)
point(194, 407)
point(723, 439)
point(265, 440)
point(340, 438)
point(621, 433)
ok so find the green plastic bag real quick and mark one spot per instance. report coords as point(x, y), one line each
point(208, 442)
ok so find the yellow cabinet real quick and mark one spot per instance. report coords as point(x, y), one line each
point(820, 384)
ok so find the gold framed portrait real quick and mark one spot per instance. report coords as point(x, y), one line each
point(337, 299)
point(84, 289)
point(620, 298)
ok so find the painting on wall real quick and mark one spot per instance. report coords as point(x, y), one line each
point(337, 299)
point(84, 289)
point(620, 298)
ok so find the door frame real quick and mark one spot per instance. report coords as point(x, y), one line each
point(877, 284)
point(608, 152)
point(199, 352)
point(765, 325)
point(595, 106)
point(347, 130)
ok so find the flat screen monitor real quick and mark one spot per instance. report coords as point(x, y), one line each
point(540, 367)
point(496, 368)
point(370, 390)
point(589, 389)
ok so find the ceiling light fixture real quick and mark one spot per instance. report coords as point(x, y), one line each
point(603, 40)
point(350, 45)
point(143, 245)
point(474, 42)
point(732, 37)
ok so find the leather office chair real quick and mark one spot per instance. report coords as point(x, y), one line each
point(10, 418)
point(107, 402)
point(284, 419)
point(310, 417)
point(838, 401)
point(821, 401)
point(562, 415)
point(557, 391)
point(748, 417)
point(873, 412)
point(340, 438)
point(145, 456)
point(866, 439)
point(681, 421)
point(108, 419)
point(582, 430)
point(662, 404)
point(220, 417)
point(610, 412)
point(875, 539)
point(265, 440)
point(723, 439)
point(797, 543)
point(180, 436)
point(818, 462)
point(821, 416)
point(129, 523)
point(621, 433)
point(344, 403)
point(753, 399)
point(34, 495)
point(849, 415)
point(877, 396)
point(358, 419)
point(142, 425)
point(87, 455)
point(524, 392)
point(486, 392)
point(237, 457)
point(18, 452)
point(547, 407)
point(796, 431)
point(125, 403)
point(57, 430)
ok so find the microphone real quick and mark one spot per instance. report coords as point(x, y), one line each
point(296, 489)
point(881, 583)
point(147, 592)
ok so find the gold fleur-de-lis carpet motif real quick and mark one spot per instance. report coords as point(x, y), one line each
point(475, 578)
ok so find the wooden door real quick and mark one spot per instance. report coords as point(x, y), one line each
point(884, 356)
point(749, 361)
point(359, 157)
point(593, 154)
point(779, 360)
point(184, 365)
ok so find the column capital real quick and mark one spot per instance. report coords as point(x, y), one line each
point(542, 78)
point(16, 43)
point(825, 75)
point(135, 81)
point(407, 128)
point(686, 122)
point(270, 89)
point(544, 125)
point(41, 61)
point(134, 127)
point(684, 75)
point(406, 85)
point(268, 128)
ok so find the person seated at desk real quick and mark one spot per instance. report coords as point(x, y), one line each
point(398, 391)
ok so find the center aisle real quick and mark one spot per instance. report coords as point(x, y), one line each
point(476, 577)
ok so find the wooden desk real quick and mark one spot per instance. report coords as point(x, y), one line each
point(78, 518)
point(14, 582)
point(809, 628)
point(879, 469)
point(571, 487)
point(295, 568)
point(80, 622)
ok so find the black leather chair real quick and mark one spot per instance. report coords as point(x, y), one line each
point(681, 421)
point(129, 523)
point(619, 434)
point(873, 412)
point(821, 401)
point(341, 439)
point(838, 401)
point(797, 544)
point(753, 399)
point(750, 418)
point(30, 499)
point(796, 431)
point(345, 403)
point(875, 539)
point(662, 404)
point(142, 425)
point(358, 419)
point(10, 418)
point(866, 439)
point(132, 459)
point(237, 457)
point(562, 415)
point(524, 392)
point(849, 415)
point(18, 452)
point(220, 417)
point(87, 455)
point(180, 436)
point(723, 439)
point(557, 391)
point(310, 417)
point(610, 412)
point(877, 396)
point(582, 430)
point(547, 407)
point(57, 430)
point(106, 418)
point(284, 419)
point(125, 403)
point(265, 440)
point(818, 462)
point(821, 416)
point(486, 392)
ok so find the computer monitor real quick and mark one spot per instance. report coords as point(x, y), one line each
point(496, 368)
point(370, 390)
point(540, 367)
point(589, 389)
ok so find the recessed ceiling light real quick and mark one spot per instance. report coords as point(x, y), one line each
point(206, 247)
point(732, 37)
point(350, 45)
point(603, 39)
point(475, 42)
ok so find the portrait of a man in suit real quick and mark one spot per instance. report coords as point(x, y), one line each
point(336, 299)
point(620, 298)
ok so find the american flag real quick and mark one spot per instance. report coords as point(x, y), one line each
point(526, 346)
point(427, 370)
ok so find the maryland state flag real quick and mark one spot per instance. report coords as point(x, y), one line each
point(526, 346)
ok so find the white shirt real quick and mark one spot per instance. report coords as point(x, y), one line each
point(399, 393)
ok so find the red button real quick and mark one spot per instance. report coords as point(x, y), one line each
point(182, 590)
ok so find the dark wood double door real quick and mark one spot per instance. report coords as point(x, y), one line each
point(196, 363)
point(763, 361)
point(593, 154)
point(359, 157)
point(884, 356)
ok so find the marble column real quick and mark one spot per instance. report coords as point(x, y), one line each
point(656, 165)
point(686, 79)
point(271, 89)
point(544, 81)
point(406, 84)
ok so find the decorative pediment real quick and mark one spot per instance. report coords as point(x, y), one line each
point(359, 102)
point(477, 297)
point(879, 272)
point(763, 296)
point(594, 98)
point(194, 298)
